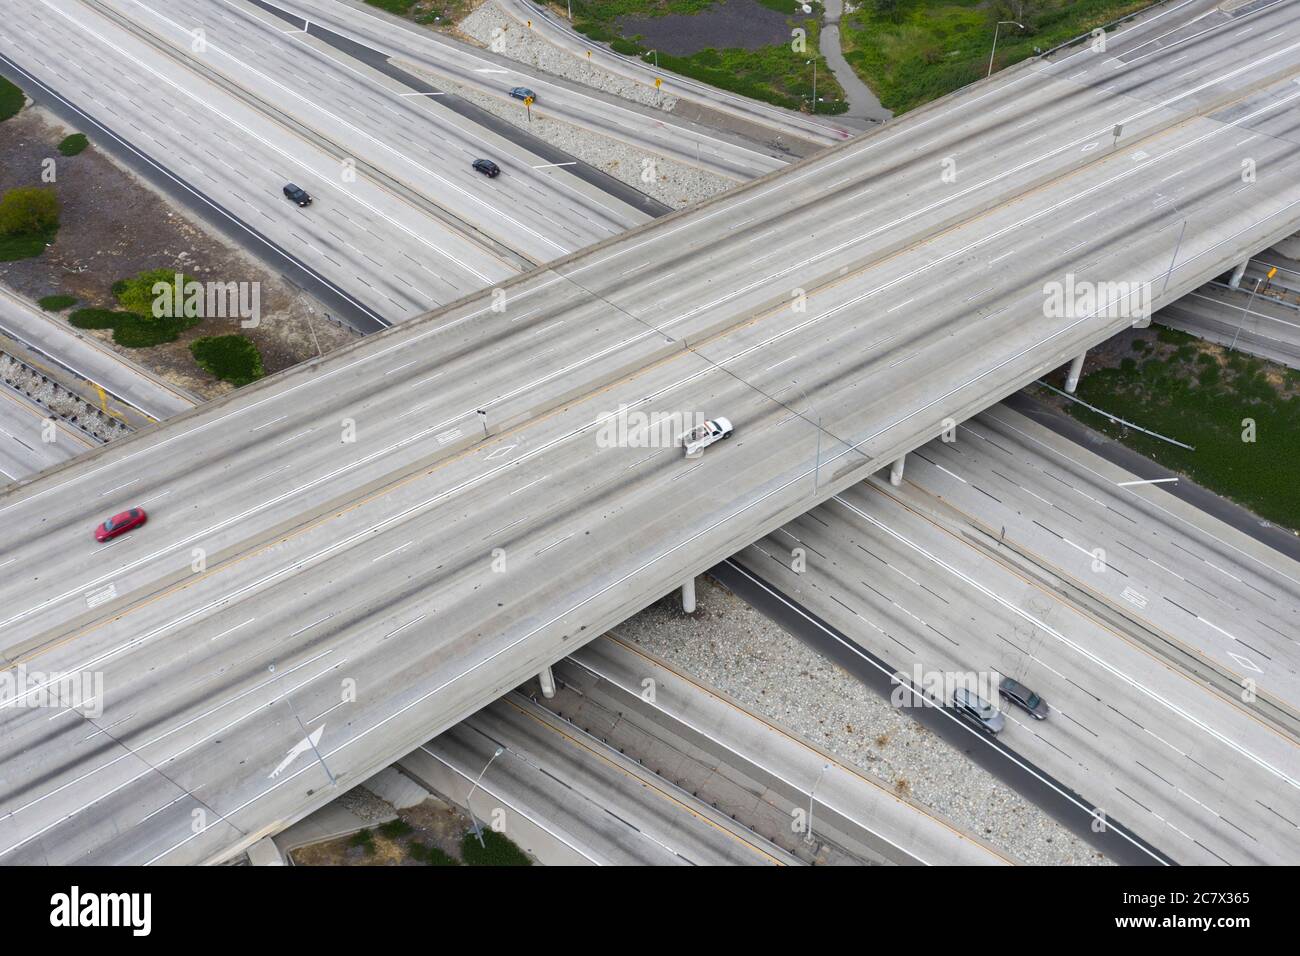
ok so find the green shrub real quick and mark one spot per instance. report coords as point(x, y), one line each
point(136, 294)
point(364, 839)
point(11, 100)
point(73, 144)
point(395, 828)
point(29, 211)
point(29, 219)
point(496, 850)
point(57, 303)
point(129, 329)
point(233, 359)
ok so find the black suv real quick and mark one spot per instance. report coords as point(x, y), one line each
point(297, 194)
point(487, 167)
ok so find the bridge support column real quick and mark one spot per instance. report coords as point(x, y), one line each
point(1076, 369)
point(1237, 274)
point(688, 595)
point(896, 471)
point(547, 680)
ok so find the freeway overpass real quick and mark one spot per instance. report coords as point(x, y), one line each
point(351, 556)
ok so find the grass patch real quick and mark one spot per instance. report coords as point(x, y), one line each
point(913, 51)
point(496, 850)
point(773, 74)
point(431, 855)
point(400, 7)
point(11, 100)
point(57, 303)
point(74, 144)
point(130, 330)
point(13, 248)
point(234, 359)
point(1207, 397)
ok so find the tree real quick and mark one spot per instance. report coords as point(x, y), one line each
point(29, 211)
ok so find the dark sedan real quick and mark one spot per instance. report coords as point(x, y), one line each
point(1023, 697)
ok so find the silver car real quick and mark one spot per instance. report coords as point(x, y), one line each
point(977, 709)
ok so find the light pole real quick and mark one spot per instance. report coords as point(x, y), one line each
point(1246, 311)
point(478, 831)
point(817, 467)
point(995, 40)
point(656, 54)
point(808, 837)
point(813, 61)
point(1178, 245)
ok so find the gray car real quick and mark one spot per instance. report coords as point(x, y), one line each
point(977, 709)
point(1023, 697)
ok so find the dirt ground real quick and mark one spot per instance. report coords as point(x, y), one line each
point(115, 225)
point(433, 823)
point(727, 25)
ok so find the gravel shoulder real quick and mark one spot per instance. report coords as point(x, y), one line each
point(729, 645)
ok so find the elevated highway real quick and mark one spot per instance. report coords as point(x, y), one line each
point(359, 552)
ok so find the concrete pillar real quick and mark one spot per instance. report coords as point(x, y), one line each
point(896, 471)
point(1076, 369)
point(688, 595)
point(1237, 273)
point(547, 680)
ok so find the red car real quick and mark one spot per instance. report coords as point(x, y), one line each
point(120, 524)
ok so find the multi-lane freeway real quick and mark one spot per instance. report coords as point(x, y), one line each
point(365, 549)
point(1163, 640)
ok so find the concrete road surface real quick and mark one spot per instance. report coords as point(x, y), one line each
point(357, 553)
point(602, 806)
point(88, 359)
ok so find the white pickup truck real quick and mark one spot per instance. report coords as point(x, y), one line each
point(702, 436)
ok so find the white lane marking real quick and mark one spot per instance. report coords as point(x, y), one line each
point(390, 553)
point(527, 486)
point(231, 630)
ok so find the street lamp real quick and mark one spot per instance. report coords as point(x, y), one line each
point(808, 837)
point(813, 61)
point(1178, 245)
point(478, 831)
point(995, 40)
point(817, 468)
point(1245, 310)
point(656, 53)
